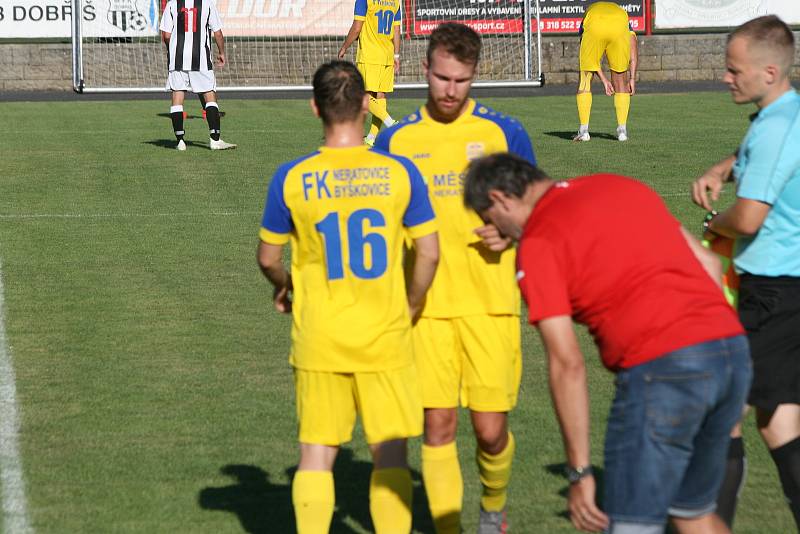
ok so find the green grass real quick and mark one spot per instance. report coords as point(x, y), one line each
point(151, 370)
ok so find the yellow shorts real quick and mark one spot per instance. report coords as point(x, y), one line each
point(327, 404)
point(607, 35)
point(377, 78)
point(475, 358)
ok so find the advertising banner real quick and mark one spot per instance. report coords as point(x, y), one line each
point(282, 18)
point(721, 13)
point(101, 18)
point(505, 16)
point(565, 16)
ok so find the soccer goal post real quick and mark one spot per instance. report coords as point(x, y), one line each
point(276, 45)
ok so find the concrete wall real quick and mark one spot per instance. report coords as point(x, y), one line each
point(49, 66)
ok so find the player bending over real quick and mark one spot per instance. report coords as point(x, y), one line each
point(346, 210)
point(605, 30)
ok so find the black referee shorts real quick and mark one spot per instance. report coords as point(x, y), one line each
point(769, 308)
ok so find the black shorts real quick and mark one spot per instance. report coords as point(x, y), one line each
point(769, 308)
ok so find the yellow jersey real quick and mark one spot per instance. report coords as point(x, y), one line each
point(381, 19)
point(346, 212)
point(470, 279)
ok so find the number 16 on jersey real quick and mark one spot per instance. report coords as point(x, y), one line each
point(360, 237)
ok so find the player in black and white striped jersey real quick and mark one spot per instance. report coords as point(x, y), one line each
point(186, 29)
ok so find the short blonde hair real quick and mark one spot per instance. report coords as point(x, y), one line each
point(770, 36)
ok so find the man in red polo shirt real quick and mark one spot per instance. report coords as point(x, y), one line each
point(604, 250)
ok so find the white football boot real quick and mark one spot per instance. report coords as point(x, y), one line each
point(220, 145)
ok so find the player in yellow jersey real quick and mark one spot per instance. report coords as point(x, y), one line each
point(376, 25)
point(346, 209)
point(605, 30)
point(467, 341)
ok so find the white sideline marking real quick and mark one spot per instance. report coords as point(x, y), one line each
point(12, 482)
point(126, 215)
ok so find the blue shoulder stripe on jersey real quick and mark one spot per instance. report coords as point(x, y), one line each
point(419, 208)
point(385, 136)
point(277, 216)
point(519, 143)
point(360, 9)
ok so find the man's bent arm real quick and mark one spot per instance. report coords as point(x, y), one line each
point(570, 394)
point(425, 262)
point(744, 218)
point(711, 182)
point(568, 386)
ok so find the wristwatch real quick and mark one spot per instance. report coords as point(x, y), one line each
point(575, 474)
point(707, 221)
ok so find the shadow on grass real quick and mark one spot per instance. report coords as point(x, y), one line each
point(170, 143)
point(188, 116)
point(558, 469)
point(264, 507)
point(570, 134)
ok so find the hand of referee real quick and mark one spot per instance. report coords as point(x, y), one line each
point(706, 189)
point(583, 512)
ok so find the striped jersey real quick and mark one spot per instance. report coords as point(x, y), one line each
point(470, 279)
point(190, 24)
point(346, 212)
point(381, 19)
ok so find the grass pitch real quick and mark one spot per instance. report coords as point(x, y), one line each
point(151, 369)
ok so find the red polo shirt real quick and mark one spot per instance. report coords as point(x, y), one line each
point(605, 250)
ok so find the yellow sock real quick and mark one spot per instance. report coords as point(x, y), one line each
point(584, 107)
point(313, 498)
point(390, 500)
point(441, 474)
point(377, 106)
point(495, 472)
point(374, 126)
point(622, 104)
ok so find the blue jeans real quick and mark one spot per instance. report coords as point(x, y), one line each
point(668, 433)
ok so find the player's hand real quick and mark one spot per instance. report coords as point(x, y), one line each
point(609, 87)
point(583, 512)
point(492, 238)
point(632, 86)
point(396, 65)
point(282, 299)
point(221, 59)
point(706, 189)
point(342, 52)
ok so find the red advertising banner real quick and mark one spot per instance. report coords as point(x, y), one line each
point(565, 16)
point(506, 16)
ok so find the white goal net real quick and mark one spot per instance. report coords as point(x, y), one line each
point(278, 44)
